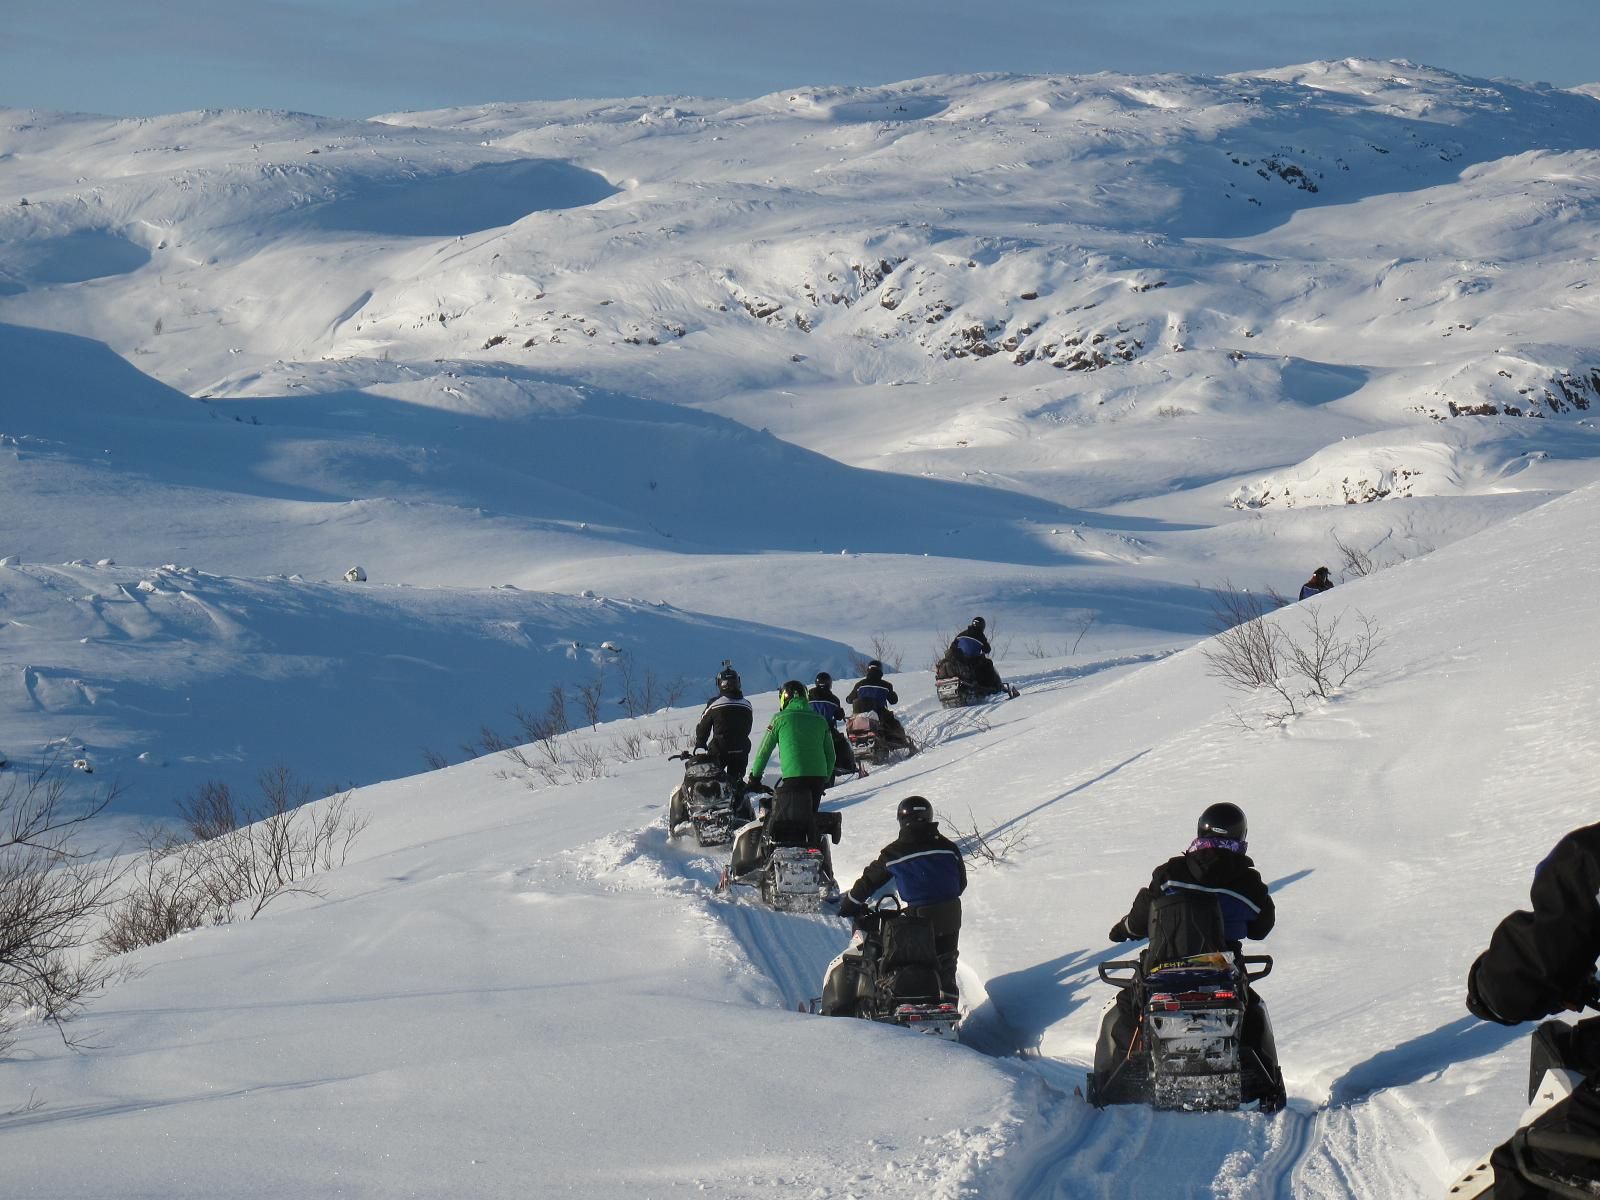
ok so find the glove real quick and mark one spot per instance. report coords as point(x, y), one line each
point(1476, 1004)
point(1588, 997)
point(849, 906)
point(753, 782)
point(1119, 933)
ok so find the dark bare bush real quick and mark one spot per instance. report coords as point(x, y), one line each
point(884, 651)
point(1327, 659)
point(210, 811)
point(1082, 630)
point(434, 759)
point(630, 746)
point(1249, 653)
point(590, 696)
point(51, 891)
point(992, 849)
point(1354, 562)
point(168, 891)
point(643, 692)
point(280, 843)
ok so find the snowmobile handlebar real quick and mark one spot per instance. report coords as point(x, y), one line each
point(1131, 965)
point(1264, 961)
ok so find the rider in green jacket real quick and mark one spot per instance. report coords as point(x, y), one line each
point(804, 742)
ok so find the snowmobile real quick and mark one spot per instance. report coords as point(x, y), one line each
point(889, 973)
point(1191, 1047)
point(783, 854)
point(956, 687)
point(704, 799)
point(1558, 1162)
point(871, 742)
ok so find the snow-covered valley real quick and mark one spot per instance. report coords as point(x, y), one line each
point(601, 393)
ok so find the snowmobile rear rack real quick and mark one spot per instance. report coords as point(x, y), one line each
point(1133, 966)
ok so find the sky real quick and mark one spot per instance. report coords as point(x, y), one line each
point(362, 57)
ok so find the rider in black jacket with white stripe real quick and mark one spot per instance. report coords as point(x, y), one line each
point(724, 728)
point(929, 874)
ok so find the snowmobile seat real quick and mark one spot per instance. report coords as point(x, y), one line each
point(702, 768)
point(791, 821)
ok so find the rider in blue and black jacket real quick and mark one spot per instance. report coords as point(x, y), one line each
point(874, 693)
point(928, 872)
point(828, 706)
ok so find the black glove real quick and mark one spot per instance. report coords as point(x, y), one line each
point(1476, 1004)
point(1119, 933)
point(849, 906)
point(1589, 996)
point(753, 783)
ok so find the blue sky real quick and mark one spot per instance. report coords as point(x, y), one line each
point(358, 57)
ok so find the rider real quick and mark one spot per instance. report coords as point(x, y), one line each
point(804, 742)
point(827, 706)
point(928, 872)
point(724, 728)
point(969, 655)
point(873, 693)
point(1317, 584)
point(1215, 864)
point(1543, 962)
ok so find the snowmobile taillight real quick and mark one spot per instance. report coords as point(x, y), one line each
point(1164, 1003)
point(1223, 996)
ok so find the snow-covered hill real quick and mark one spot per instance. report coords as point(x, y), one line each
point(1055, 349)
point(615, 390)
point(536, 992)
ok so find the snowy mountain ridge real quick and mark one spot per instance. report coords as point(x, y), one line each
point(1093, 339)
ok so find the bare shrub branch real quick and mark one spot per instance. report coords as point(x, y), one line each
point(1082, 629)
point(281, 841)
point(50, 890)
point(630, 746)
point(210, 811)
point(991, 849)
point(1353, 561)
point(434, 759)
point(1249, 653)
point(589, 698)
point(1325, 659)
point(884, 651)
point(587, 762)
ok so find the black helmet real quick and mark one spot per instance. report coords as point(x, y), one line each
point(727, 680)
point(824, 679)
point(1321, 573)
point(914, 810)
point(977, 623)
point(1223, 820)
point(874, 667)
point(790, 689)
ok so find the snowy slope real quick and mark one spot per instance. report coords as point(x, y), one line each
point(1094, 340)
point(534, 991)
